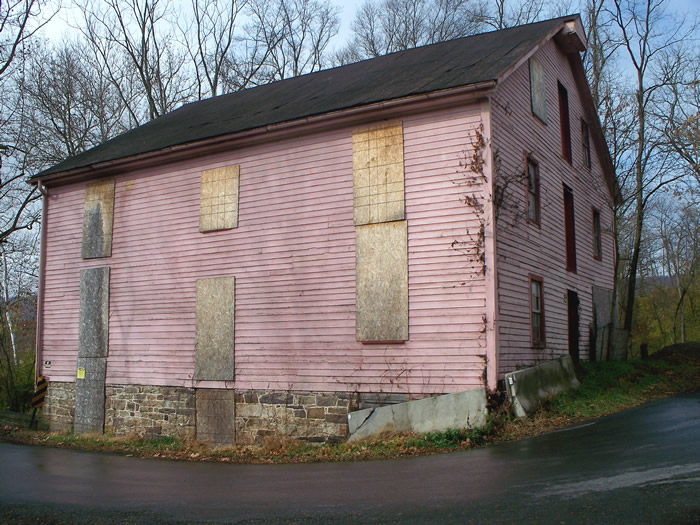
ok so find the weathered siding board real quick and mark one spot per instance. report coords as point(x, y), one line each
point(517, 132)
point(293, 255)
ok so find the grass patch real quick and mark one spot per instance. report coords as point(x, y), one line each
point(606, 387)
point(131, 445)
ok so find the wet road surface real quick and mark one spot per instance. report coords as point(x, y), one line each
point(638, 466)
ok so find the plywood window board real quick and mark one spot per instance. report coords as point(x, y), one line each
point(382, 282)
point(537, 90)
point(218, 202)
point(214, 337)
point(93, 333)
point(93, 340)
point(98, 217)
point(378, 173)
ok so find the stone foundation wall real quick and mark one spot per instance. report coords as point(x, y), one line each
point(150, 411)
point(211, 415)
point(59, 407)
point(313, 417)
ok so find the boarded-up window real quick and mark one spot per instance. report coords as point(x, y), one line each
point(536, 311)
point(98, 216)
point(218, 201)
point(533, 192)
point(538, 97)
point(94, 312)
point(585, 144)
point(93, 347)
point(597, 241)
point(214, 341)
point(382, 282)
point(378, 176)
point(564, 123)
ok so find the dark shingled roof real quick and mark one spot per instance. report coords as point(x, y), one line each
point(455, 63)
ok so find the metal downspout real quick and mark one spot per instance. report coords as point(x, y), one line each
point(40, 289)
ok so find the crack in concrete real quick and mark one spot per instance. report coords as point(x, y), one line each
point(364, 422)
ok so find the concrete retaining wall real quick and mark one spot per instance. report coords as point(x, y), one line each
point(529, 386)
point(461, 410)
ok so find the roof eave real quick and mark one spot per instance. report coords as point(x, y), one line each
point(572, 27)
point(314, 122)
point(572, 37)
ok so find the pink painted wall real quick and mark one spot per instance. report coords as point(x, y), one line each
point(293, 257)
point(526, 248)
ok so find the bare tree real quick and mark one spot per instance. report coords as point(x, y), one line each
point(386, 26)
point(449, 19)
point(18, 276)
point(211, 42)
point(295, 33)
point(645, 34)
point(678, 110)
point(17, 209)
point(19, 21)
point(502, 14)
point(134, 38)
point(600, 55)
point(679, 232)
point(18, 264)
point(70, 105)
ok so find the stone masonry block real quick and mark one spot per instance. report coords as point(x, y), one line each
point(316, 413)
point(326, 401)
point(277, 398)
point(306, 400)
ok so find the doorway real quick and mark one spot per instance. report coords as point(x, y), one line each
point(574, 336)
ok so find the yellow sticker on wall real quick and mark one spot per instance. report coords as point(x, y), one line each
point(81, 373)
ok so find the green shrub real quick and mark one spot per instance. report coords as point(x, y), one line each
point(16, 383)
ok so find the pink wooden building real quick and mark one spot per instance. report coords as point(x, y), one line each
point(265, 261)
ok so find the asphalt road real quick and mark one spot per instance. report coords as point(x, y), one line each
point(638, 466)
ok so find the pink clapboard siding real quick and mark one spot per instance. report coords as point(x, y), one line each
point(529, 249)
point(293, 257)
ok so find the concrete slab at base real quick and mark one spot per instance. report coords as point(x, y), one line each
point(460, 410)
point(529, 386)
